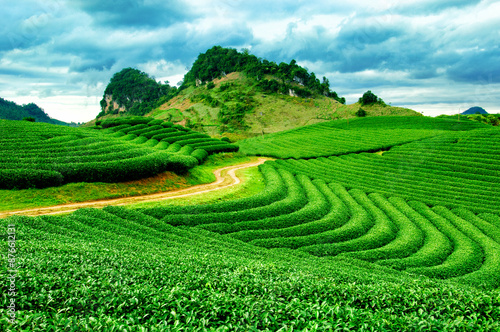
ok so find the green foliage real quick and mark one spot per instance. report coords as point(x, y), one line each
point(200, 154)
point(218, 61)
point(233, 117)
point(383, 225)
point(459, 169)
point(327, 220)
point(369, 98)
point(95, 267)
point(29, 178)
point(360, 113)
point(136, 91)
point(36, 155)
point(12, 111)
point(491, 119)
point(129, 120)
point(338, 137)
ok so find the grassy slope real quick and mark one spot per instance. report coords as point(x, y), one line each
point(272, 113)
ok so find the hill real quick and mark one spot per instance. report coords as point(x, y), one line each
point(133, 92)
point(475, 110)
point(238, 103)
point(228, 91)
point(39, 155)
point(367, 134)
point(12, 111)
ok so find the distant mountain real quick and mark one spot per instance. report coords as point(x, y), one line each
point(12, 111)
point(475, 110)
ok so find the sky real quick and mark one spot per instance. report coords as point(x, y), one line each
point(436, 57)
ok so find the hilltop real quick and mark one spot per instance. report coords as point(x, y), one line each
point(9, 110)
point(475, 110)
point(228, 91)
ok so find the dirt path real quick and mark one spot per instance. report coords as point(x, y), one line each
point(229, 179)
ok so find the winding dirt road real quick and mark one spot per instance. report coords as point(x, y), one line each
point(227, 180)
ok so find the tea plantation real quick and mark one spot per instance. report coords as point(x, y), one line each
point(352, 136)
point(407, 240)
point(127, 270)
point(37, 155)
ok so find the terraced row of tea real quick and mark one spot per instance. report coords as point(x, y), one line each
point(41, 155)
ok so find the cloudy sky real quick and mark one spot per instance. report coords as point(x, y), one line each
point(437, 57)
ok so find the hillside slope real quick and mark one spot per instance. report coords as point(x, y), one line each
point(237, 103)
point(9, 110)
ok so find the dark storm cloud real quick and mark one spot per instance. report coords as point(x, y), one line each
point(79, 65)
point(134, 13)
point(477, 66)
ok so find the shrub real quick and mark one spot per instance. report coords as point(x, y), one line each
point(360, 113)
point(29, 178)
point(181, 163)
point(369, 98)
point(199, 154)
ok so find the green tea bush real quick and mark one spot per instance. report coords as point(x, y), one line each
point(358, 224)
point(295, 199)
point(466, 257)
point(490, 218)
point(278, 238)
point(155, 122)
point(486, 227)
point(188, 136)
point(118, 128)
point(181, 163)
point(134, 128)
point(275, 190)
point(29, 178)
point(199, 154)
point(316, 207)
point(186, 150)
point(98, 266)
point(488, 274)
point(145, 130)
point(174, 147)
point(151, 143)
point(151, 134)
point(408, 240)
point(125, 120)
point(435, 249)
point(382, 232)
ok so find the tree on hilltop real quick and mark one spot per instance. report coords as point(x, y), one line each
point(370, 98)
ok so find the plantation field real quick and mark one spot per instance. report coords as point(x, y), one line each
point(459, 169)
point(326, 219)
point(122, 269)
point(332, 238)
point(351, 136)
point(36, 155)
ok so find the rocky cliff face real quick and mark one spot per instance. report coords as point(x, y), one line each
point(112, 106)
